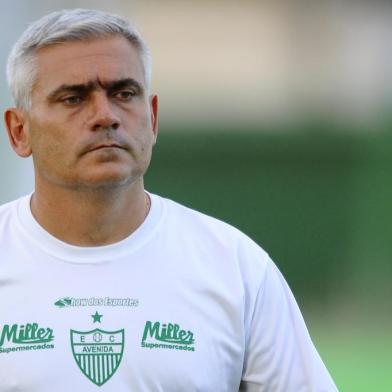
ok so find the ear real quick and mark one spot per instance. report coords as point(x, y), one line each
point(154, 115)
point(17, 128)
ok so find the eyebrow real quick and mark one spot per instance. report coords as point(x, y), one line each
point(85, 88)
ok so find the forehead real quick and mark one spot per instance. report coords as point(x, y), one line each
point(81, 62)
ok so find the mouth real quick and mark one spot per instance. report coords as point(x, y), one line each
point(102, 146)
point(106, 146)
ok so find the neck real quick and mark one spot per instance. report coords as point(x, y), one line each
point(86, 217)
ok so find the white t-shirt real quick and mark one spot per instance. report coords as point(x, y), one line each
point(186, 303)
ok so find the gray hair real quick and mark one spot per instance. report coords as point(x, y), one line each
point(60, 27)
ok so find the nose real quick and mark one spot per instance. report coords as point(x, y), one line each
point(102, 114)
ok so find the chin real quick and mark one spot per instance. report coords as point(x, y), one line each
point(110, 180)
point(107, 183)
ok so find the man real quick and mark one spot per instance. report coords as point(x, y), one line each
point(102, 285)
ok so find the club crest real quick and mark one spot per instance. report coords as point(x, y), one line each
point(98, 353)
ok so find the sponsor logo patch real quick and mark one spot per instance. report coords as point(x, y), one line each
point(29, 336)
point(66, 302)
point(167, 336)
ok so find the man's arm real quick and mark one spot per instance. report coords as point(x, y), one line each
point(280, 356)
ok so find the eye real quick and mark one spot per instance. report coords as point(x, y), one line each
point(72, 100)
point(125, 95)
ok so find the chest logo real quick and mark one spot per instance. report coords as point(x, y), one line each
point(98, 353)
point(24, 337)
point(167, 336)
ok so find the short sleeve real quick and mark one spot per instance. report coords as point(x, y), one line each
point(280, 356)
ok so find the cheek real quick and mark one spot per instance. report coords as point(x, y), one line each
point(146, 138)
point(48, 144)
point(142, 132)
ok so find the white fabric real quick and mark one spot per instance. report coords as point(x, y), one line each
point(240, 326)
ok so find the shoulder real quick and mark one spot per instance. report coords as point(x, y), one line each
point(8, 211)
point(189, 219)
point(7, 208)
point(195, 227)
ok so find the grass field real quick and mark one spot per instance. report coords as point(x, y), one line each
point(358, 358)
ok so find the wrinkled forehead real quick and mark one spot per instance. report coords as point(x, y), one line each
point(83, 62)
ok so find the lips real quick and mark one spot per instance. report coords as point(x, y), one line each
point(105, 143)
point(102, 146)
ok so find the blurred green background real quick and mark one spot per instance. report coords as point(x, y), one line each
point(274, 117)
